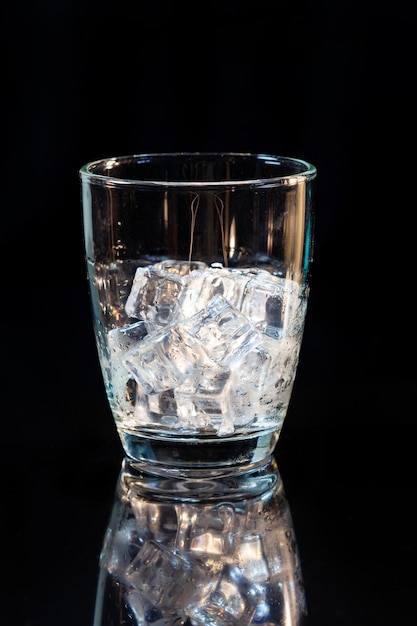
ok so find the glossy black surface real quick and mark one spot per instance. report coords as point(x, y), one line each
point(331, 84)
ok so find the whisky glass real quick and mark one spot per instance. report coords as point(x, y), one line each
point(198, 270)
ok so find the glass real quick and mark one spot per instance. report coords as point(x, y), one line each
point(198, 268)
point(200, 553)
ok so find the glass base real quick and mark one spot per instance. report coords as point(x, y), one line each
point(202, 457)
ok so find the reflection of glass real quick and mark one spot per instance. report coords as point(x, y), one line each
point(200, 553)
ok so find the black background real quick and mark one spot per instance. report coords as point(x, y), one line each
point(330, 82)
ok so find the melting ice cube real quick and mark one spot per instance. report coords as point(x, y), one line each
point(180, 267)
point(154, 294)
point(163, 360)
point(122, 339)
point(221, 329)
point(202, 286)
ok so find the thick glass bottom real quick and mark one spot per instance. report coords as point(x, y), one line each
point(200, 457)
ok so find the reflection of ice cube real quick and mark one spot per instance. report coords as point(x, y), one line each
point(120, 547)
point(286, 557)
point(153, 295)
point(144, 612)
point(252, 560)
point(163, 360)
point(232, 602)
point(166, 577)
point(207, 532)
point(154, 520)
point(213, 534)
point(159, 573)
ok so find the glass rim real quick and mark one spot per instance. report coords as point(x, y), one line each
point(308, 172)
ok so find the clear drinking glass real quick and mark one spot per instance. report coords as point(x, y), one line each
point(198, 267)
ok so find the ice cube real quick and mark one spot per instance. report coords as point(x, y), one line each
point(163, 408)
point(251, 371)
point(230, 397)
point(202, 286)
point(154, 294)
point(207, 379)
point(221, 329)
point(182, 268)
point(227, 337)
point(251, 367)
point(199, 288)
point(202, 412)
point(263, 301)
point(198, 397)
point(120, 340)
point(163, 360)
point(271, 303)
point(126, 399)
